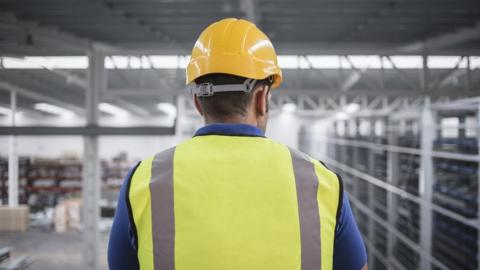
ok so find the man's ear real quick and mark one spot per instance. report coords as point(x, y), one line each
point(261, 103)
point(196, 101)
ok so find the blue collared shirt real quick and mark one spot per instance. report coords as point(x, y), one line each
point(230, 130)
point(349, 250)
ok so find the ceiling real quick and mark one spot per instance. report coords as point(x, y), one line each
point(32, 27)
point(139, 27)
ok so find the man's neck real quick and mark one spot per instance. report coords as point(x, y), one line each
point(232, 120)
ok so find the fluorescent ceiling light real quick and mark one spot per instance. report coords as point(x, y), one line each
point(165, 61)
point(37, 62)
point(407, 61)
point(289, 107)
point(285, 62)
point(352, 107)
point(5, 111)
point(112, 109)
point(341, 115)
point(167, 108)
point(446, 62)
point(52, 109)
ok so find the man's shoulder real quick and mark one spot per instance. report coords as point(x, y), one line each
point(163, 153)
point(319, 165)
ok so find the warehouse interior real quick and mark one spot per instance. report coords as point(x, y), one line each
point(385, 92)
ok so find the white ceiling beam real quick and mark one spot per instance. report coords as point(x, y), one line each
point(451, 75)
point(457, 73)
point(30, 112)
point(351, 81)
point(354, 77)
point(127, 105)
point(402, 73)
point(325, 80)
point(72, 78)
point(324, 92)
point(7, 86)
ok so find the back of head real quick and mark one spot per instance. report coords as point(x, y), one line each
point(230, 60)
point(223, 105)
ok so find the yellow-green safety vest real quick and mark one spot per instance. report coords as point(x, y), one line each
point(232, 202)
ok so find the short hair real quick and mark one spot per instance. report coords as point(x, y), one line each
point(223, 104)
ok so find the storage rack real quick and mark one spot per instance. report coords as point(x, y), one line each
point(456, 189)
point(414, 191)
point(42, 181)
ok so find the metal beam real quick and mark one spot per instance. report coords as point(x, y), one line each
point(112, 5)
point(426, 182)
point(401, 192)
point(325, 92)
point(12, 157)
point(468, 82)
point(325, 80)
point(86, 131)
point(450, 75)
point(354, 77)
point(72, 78)
point(402, 73)
point(91, 163)
point(29, 112)
point(424, 76)
point(37, 96)
point(68, 76)
point(248, 7)
point(50, 34)
point(443, 40)
point(478, 186)
point(398, 234)
point(138, 110)
point(282, 48)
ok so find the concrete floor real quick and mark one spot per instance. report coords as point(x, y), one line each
point(52, 251)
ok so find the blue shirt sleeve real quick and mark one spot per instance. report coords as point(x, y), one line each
point(122, 253)
point(349, 251)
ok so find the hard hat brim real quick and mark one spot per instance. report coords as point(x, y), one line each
point(234, 64)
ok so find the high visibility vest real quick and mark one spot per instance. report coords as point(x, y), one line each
point(232, 202)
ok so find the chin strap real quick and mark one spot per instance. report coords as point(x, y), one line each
point(208, 89)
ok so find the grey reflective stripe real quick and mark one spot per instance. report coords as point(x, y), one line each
point(163, 220)
point(307, 188)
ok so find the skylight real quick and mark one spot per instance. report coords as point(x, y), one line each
point(285, 62)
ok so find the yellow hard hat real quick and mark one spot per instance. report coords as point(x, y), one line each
point(235, 47)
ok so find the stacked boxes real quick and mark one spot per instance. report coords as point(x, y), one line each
point(14, 219)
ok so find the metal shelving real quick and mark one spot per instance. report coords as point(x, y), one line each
point(414, 188)
point(44, 181)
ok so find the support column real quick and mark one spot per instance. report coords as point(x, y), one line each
point(392, 179)
point(382, 74)
point(12, 156)
point(355, 192)
point(462, 130)
point(428, 129)
point(91, 168)
point(332, 148)
point(424, 76)
point(181, 115)
point(371, 188)
point(478, 186)
point(469, 75)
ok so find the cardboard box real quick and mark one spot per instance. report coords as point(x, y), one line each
point(68, 215)
point(14, 219)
